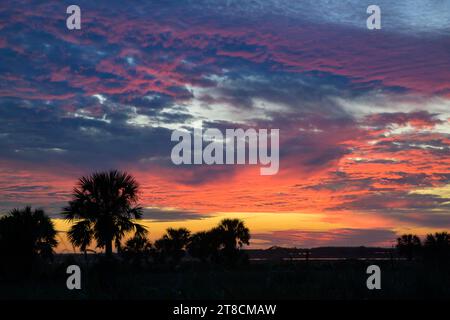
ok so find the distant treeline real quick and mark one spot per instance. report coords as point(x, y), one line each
point(434, 247)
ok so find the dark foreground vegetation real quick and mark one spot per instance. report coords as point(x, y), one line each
point(268, 280)
point(205, 265)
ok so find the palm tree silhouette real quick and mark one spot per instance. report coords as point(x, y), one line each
point(137, 249)
point(204, 245)
point(408, 245)
point(173, 244)
point(103, 207)
point(26, 234)
point(233, 234)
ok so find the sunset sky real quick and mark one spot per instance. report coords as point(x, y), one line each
point(364, 115)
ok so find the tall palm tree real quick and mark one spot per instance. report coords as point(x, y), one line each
point(26, 234)
point(173, 243)
point(409, 245)
point(103, 207)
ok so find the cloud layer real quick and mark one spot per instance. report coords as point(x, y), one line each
point(363, 115)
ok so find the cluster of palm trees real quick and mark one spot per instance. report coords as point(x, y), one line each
point(433, 247)
point(220, 244)
point(104, 209)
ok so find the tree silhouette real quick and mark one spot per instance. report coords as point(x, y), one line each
point(173, 244)
point(25, 235)
point(103, 207)
point(409, 245)
point(205, 245)
point(233, 234)
point(137, 249)
point(437, 246)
